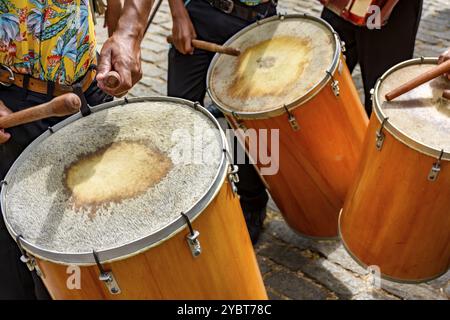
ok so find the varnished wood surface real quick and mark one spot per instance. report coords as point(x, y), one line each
point(226, 269)
point(394, 217)
point(317, 162)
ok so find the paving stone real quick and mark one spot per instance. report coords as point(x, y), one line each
point(344, 283)
point(412, 291)
point(374, 295)
point(264, 265)
point(295, 287)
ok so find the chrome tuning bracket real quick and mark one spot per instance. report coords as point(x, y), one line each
point(436, 168)
point(192, 238)
point(334, 85)
point(107, 277)
point(292, 120)
point(380, 135)
point(27, 259)
point(233, 176)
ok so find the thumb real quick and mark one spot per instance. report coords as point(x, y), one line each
point(104, 65)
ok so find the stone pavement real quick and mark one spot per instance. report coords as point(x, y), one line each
point(294, 267)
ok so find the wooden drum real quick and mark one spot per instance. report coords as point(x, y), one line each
point(291, 76)
point(397, 213)
point(134, 201)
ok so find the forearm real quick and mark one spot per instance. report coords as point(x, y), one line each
point(177, 9)
point(3, 108)
point(134, 19)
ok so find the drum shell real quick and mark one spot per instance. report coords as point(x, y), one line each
point(317, 162)
point(393, 217)
point(226, 269)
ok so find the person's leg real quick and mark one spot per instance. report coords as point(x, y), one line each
point(187, 79)
point(346, 32)
point(379, 50)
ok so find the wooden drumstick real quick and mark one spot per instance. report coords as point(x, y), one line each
point(112, 80)
point(423, 78)
point(61, 106)
point(212, 47)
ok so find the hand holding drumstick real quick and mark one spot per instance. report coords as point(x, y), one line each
point(184, 36)
point(61, 106)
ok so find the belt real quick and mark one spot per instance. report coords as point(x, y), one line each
point(240, 10)
point(8, 78)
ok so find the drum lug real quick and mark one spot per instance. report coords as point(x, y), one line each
point(194, 243)
point(292, 120)
point(27, 259)
point(110, 281)
point(233, 177)
point(435, 169)
point(107, 277)
point(334, 85)
point(31, 264)
point(343, 48)
point(380, 135)
point(192, 238)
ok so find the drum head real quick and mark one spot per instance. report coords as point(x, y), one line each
point(115, 181)
point(421, 116)
point(283, 61)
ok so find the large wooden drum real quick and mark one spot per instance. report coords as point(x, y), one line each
point(291, 76)
point(133, 202)
point(397, 214)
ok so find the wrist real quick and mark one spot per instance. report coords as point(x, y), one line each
point(131, 36)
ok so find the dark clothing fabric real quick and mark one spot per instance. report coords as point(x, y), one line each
point(378, 50)
point(16, 281)
point(187, 79)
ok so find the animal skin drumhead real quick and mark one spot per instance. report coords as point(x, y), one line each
point(422, 113)
point(113, 177)
point(280, 62)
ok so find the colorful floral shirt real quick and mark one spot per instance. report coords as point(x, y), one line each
point(51, 40)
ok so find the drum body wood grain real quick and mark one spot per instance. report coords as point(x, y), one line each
point(394, 217)
point(226, 269)
point(317, 159)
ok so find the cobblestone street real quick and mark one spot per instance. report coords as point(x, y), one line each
point(294, 267)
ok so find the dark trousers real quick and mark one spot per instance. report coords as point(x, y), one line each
point(187, 79)
point(378, 50)
point(16, 281)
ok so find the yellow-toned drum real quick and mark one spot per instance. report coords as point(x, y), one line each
point(397, 214)
point(291, 76)
point(132, 202)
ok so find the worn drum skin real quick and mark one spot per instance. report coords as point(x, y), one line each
point(397, 213)
point(291, 76)
point(135, 201)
